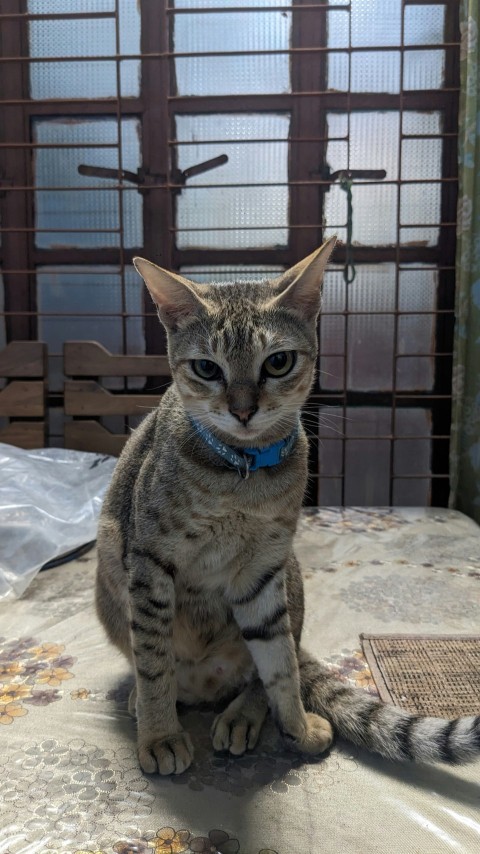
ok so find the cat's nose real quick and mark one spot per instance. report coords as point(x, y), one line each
point(245, 414)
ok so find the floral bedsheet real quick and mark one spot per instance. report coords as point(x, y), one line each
point(70, 777)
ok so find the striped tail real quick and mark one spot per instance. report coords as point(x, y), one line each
point(367, 722)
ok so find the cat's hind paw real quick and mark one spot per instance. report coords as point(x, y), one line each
point(171, 754)
point(316, 738)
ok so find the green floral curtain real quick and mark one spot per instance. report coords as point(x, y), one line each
point(465, 444)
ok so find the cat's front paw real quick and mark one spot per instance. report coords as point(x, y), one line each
point(237, 730)
point(316, 737)
point(171, 754)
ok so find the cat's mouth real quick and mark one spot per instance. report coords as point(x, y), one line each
point(257, 431)
point(261, 429)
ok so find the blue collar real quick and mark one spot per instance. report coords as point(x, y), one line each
point(246, 460)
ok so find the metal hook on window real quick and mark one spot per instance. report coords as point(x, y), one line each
point(345, 178)
point(349, 271)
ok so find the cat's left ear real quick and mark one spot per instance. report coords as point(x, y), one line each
point(300, 288)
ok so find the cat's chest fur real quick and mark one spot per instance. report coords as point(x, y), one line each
point(216, 542)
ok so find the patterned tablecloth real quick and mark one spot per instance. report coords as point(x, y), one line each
point(69, 774)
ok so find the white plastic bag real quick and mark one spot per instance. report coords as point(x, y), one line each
point(50, 502)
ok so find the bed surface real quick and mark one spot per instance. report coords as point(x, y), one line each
point(70, 777)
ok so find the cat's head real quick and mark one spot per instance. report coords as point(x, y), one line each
point(242, 354)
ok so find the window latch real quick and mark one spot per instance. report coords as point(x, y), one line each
point(181, 178)
point(144, 179)
point(355, 174)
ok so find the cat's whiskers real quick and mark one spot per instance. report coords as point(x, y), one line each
point(315, 425)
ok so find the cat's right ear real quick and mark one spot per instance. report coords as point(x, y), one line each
point(173, 295)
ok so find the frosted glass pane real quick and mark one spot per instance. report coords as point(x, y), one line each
point(88, 289)
point(337, 155)
point(335, 209)
point(367, 462)
point(333, 298)
point(253, 208)
point(56, 330)
point(421, 158)
point(78, 37)
point(247, 163)
point(73, 80)
point(330, 457)
point(375, 72)
point(232, 75)
point(420, 203)
point(380, 71)
point(419, 236)
point(414, 123)
point(259, 4)
point(79, 209)
point(412, 492)
point(338, 26)
point(130, 27)
point(424, 24)
point(415, 374)
point(337, 125)
point(78, 289)
point(50, 7)
point(374, 214)
point(236, 31)
point(373, 289)
point(84, 37)
point(371, 339)
point(239, 207)
point(79, 131)
point(416, 333)
point(224, 273)
point(338, 66)
point(366, 421)
point(367, 473)
point(329, 492)
point(370, 352)
point(423, 69)
point(373, 142)
point(231, 126)
point(332, 331)
point(373, 24)
point(412, 456)
point(417, 290)
point(332, 335)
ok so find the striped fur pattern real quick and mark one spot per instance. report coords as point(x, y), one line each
point(197, 582)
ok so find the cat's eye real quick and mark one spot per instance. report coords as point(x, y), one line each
point(279, 364)
point(206, 369)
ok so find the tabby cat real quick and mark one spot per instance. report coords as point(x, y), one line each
point(197, 581)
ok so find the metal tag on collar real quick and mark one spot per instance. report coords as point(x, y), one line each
point(245, 473)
